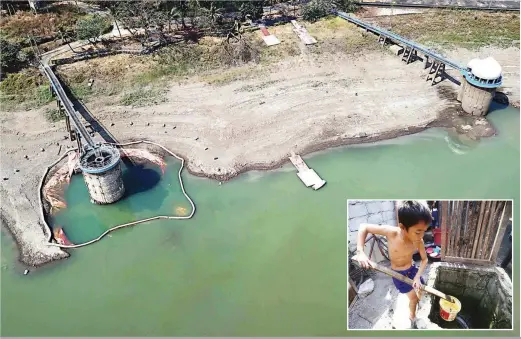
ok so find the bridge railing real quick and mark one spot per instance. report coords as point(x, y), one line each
point(67, 104)
point(401, 40)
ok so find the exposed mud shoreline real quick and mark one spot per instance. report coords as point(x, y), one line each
point(34, 251)
point(303, 106)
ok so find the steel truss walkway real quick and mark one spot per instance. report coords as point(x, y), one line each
point(411, 48)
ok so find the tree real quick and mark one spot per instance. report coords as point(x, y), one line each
point(252, 8)
point(348, 6)
point(317, 9)
point(91, 27)
point(213, 13)
point(9, 55)
point(144, 14)
point(11, 6)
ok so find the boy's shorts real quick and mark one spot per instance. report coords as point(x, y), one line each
point(410, 273)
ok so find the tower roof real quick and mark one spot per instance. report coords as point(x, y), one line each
point(488, 69)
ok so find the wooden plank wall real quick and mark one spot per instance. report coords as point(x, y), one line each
point(472, 231)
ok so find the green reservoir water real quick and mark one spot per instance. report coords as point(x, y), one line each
point(262, 256)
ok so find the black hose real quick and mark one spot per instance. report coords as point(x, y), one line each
point(462, 322)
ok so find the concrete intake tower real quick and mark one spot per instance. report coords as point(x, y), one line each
point(101, 168)
point(479, 84)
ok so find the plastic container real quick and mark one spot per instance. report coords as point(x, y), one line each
point(448, 310)
point(437, 236)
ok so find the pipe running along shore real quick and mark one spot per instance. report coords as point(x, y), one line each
point(42, 210)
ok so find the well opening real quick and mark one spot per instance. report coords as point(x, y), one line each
point(485, 294)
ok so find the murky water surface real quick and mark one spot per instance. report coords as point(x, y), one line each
point(262, 256)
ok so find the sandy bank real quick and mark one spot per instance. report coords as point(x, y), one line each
point(303, 105)
point(20, 212)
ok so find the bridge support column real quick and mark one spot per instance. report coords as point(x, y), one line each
point(462, 88)
point(78, 141)
point(439, 71)
point(476, 100)
point(409, 55)
point(68, 123)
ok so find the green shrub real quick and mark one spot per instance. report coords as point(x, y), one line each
point(9, 54)
point(142, 97)
point(23, 88)
point(54, 114)
point(91, 27)
point(348, 6)
point(316, 9)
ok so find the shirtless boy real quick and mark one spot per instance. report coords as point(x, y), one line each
point(414, 218)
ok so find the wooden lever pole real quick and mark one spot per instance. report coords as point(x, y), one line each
point(406, 280)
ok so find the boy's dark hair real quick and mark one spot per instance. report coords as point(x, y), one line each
point(411, 212)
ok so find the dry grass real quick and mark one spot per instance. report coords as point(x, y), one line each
point(209, 61)
point(456, 28)
point(16, 27)
point(336, 35)
point(104, 69)
point(24, 90)
point(230, 75)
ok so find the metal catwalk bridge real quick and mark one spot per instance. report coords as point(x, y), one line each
point(411, 49)
point(67, 106)
point(489, 5)
point(408, 44)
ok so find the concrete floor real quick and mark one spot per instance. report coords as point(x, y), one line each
point(383, 308)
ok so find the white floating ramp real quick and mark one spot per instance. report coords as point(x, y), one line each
point(303, 33)
point(308, 176)
point(268, 38)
